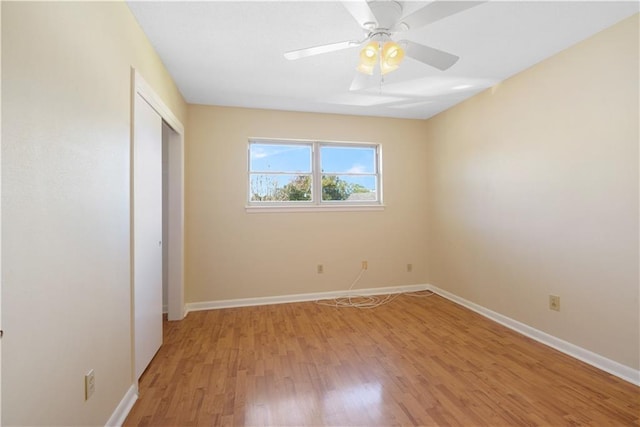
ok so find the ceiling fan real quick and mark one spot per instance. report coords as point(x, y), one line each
point(381, 21)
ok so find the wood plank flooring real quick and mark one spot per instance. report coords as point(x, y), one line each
point(415, 361)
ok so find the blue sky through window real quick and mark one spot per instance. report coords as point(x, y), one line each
point(280, 158)
point(297, 158)
point(347, 160)
point(279, 164)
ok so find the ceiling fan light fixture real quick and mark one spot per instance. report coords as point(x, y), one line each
point(392, 52)
point(365, 69)
point(386, 68)
point(368, 58)
point(369, 53)
point(392, 56)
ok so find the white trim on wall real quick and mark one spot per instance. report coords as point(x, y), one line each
point(0, 233)
point(614, 368)
point(143, 88)
point(284, 299)
point(123, 408)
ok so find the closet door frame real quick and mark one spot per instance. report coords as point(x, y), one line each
point(175, 236)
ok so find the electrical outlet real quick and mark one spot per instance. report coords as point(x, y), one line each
point(554, 302)
point(365, 265)
point(409, 268)
point(89, 384)
point(320, 269)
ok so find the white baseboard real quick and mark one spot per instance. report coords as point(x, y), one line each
point(614, 368)
point(124, 407)
point(283, 299)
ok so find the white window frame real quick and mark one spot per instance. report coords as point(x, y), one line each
point(316, 204)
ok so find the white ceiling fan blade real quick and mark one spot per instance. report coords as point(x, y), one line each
point(429, 55)
point(317, 50)
point(433, 12)
point(361, 12)
point(360, 81)
point(365, 81)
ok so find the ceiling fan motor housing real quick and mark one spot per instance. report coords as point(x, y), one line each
point(387, 13)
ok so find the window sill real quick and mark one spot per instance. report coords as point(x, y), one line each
point(314, 208)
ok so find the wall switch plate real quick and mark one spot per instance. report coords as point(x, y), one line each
point(89, 384)
point(554, 302)
point(365, 265)
point(409, 268)
point(320, 269)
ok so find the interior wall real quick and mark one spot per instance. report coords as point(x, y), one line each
point(66, 296)
point(234, 254)
point(534, 191)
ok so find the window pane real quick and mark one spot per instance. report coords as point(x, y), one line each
point(279, 188)
point(349, 188)
point(280, 158)
point(341, 159)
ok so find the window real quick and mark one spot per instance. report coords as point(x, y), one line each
point(313, 174)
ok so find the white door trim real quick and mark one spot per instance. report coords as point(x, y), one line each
point(143, 88)
point(0, 241)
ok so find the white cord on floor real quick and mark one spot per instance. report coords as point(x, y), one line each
point(368, 301)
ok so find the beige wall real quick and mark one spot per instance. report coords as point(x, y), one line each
point(65, 205)
point(533, 190)
point(233, 254)
point(526, 190)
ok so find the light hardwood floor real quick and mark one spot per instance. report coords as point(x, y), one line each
point(414, 361)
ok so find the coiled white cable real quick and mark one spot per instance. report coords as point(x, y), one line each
point(368, 301)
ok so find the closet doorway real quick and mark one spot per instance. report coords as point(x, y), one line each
point(157, 221)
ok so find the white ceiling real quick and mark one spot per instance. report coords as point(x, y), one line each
point(231, 53)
